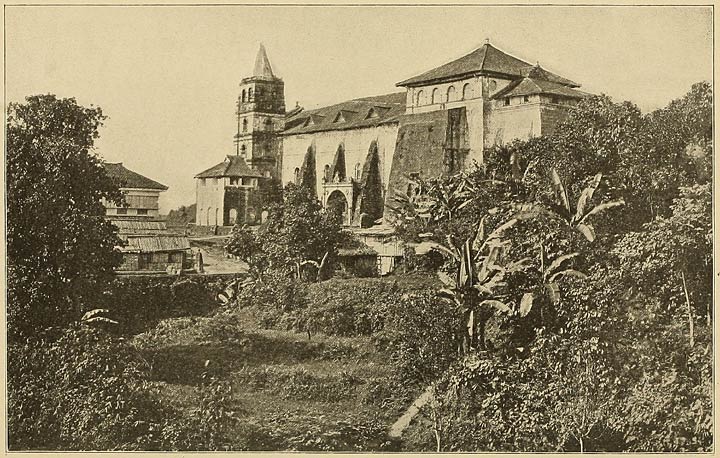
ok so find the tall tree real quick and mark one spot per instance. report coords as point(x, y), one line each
point(57, 239)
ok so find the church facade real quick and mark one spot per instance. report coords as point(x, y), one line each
point(354, 154)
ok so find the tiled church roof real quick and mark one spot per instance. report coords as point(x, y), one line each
point(486, 59)
point(128, 179)
point(357, 113)
point(232, 166)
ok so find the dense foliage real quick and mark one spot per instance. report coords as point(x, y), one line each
point(598, 331)
point(87, 390)
point(57, 240)
point(296, 234)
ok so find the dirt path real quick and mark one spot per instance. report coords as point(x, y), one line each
point(214, 260)
point(403, 422)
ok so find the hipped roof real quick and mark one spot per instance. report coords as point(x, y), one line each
point(126, 178)
point(529, 86)
point(485, 60)
point(232, 166)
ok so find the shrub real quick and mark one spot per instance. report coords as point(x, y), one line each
point(81, 392)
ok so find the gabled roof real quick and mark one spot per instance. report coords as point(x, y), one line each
point(352, 114)
point(529, 86)
point(485, 60)
point(232, 166)
point(126, 178)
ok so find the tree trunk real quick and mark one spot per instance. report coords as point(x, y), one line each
point(690, 311)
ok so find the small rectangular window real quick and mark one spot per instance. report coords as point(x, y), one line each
point(122, 211)
point(526, 99)
point(506, 102)
point(142, 211)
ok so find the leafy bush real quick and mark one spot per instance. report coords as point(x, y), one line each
point(273, 297)
point(81, 392)
point(420, 335)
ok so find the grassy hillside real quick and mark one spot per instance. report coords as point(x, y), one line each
point(288, 392)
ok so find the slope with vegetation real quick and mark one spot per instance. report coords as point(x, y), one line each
point(561, 301)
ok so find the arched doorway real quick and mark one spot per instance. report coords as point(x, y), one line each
point(337, 201)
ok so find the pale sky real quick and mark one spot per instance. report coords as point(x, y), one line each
point(167, 77)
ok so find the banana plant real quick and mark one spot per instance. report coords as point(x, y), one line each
point(477, 286)
point(551, 272)
point(577, 217)
point(95, 316)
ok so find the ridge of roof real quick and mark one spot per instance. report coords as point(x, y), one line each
point(487, 60)
point(126, 178)
point(386, 106)
point(529, 86)
point(232, 166)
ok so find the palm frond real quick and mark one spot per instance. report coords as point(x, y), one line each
point(602, 207)
point(568, 273)
point(586, 196)
point(557, 262)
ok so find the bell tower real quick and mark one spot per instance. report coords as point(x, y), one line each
point(261, 118)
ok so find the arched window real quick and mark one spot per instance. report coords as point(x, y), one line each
point(435, 96)
point(243, 149)
point(419, 98)
point(467, 92)
point(297, 175)
point(326, 174)
point(243, 96)
point(207, 217)
point(268, 124)
point(218, 221)
point(451, 94)
point(233, 216)
point(199, 216)
point(358, 171)
point(250, 95)
point(266, 174)
point(245, 125)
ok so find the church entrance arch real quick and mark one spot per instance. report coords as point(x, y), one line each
point(337, 200)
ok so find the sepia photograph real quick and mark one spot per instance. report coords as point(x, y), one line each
point(371, 229)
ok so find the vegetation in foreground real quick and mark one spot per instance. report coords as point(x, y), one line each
point(565, 305)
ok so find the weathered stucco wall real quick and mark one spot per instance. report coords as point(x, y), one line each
point(210, 199)
point(357, 144)
point(516, 121)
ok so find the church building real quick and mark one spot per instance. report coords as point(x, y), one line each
point(354, 154)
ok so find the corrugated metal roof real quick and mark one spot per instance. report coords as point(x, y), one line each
point(152, 243)
point(126, 178)
point(139, 227)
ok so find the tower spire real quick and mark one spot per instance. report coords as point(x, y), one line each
point(262, 64)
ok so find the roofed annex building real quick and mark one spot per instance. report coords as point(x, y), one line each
point(354, 154)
